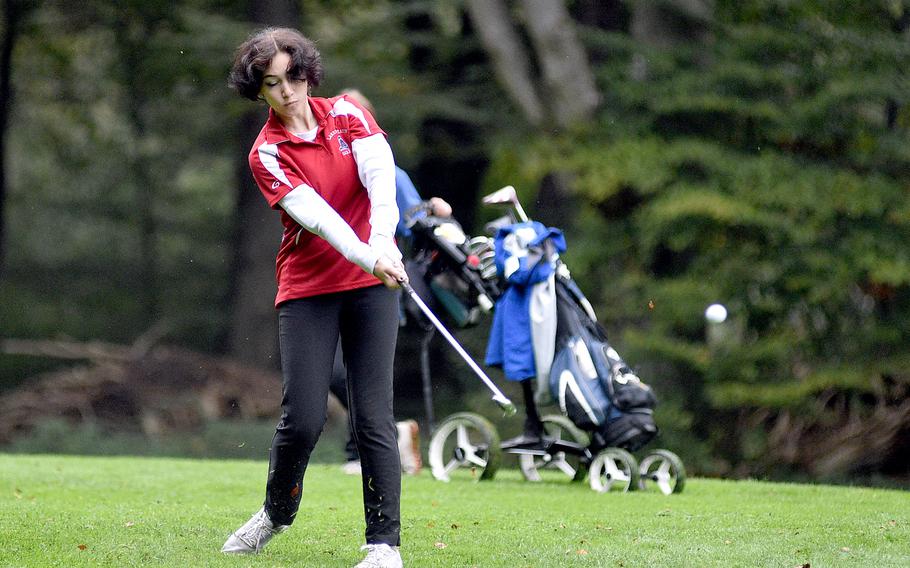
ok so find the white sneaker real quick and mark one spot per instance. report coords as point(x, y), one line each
point(351, 468)
point(409, 447)
point(251, 537)
point(380, 556)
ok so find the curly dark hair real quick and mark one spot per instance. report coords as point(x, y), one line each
point(254, 55)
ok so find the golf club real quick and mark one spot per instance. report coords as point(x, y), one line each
point(504, 403)
point(507, 194)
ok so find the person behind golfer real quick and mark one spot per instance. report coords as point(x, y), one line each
point(325, 166)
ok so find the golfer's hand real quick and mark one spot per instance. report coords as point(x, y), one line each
point(390, 272)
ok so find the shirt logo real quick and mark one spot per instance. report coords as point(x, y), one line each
point(275, 184)
point(343, 147)
point(335, 132)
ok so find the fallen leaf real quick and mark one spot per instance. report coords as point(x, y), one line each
point(431, 524)
point(581, 551)
point(454, 526)
point(82, 547)
point(650, 304)
point(845, 549)
point(440, 545)
point(129, 524)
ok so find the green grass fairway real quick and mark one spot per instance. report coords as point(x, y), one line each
point(79, 511)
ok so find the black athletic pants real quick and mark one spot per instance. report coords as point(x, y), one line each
point(339, 387)
point(367, 321)
point(408, 309)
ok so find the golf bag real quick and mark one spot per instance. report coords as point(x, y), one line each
point(545, 328)
point(448, 269)
point(591, 383)
point(588, 379)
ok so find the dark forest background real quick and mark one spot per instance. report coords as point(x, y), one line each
point(750, 152)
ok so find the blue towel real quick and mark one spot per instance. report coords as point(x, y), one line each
point(526, 254)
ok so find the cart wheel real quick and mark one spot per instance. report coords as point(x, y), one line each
point(569, 464)
point(614, 469)
point(664, 469)
point(464, 440)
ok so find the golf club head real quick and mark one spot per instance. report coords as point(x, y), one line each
point(502, 196)
point(505, 404)
point(507, 195)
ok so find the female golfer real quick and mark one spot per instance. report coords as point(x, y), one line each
point(325, 165)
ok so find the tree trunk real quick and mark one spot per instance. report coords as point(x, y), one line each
point(666, 24)
point(566, 73)
point(508, 55)
point(131, 35)
point(253, 337)
point(14, 12)
point(557, 204)
point(900, 24)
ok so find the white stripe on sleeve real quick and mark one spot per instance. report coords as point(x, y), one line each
point(342, 106)
point(268, 155)
point(312, 212)
point(376, 167)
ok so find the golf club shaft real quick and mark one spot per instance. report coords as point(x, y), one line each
point(522, 216)
point(498, 397)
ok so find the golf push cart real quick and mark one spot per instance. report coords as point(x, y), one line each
point(606, 411)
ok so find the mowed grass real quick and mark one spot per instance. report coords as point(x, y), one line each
point(82, 511)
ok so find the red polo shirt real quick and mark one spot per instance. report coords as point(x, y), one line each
point(307, 264)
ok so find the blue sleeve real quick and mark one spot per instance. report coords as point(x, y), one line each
point(407, 197)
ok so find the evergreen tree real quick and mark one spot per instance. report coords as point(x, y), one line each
point(768, 173)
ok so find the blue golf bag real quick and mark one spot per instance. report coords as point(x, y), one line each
point(592, 384)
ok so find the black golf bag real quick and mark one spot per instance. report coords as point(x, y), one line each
point(591, 383)
point(448, 269)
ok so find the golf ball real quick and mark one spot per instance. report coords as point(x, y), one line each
point(716, 313)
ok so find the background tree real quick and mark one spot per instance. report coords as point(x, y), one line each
point(758, 171)
point(75, 264)
point(14, 13)
point(135, 25)
point(566, 81)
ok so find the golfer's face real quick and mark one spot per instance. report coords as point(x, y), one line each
point(286, 96)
